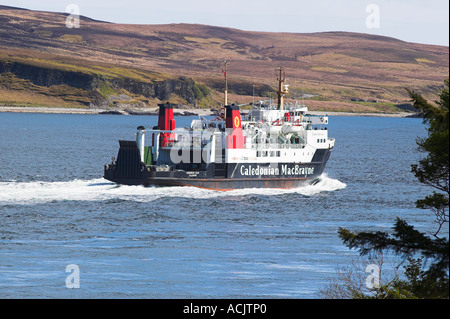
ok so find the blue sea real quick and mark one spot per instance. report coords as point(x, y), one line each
point(60, 220)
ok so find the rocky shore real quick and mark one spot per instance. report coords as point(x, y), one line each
point(54, 110)
point(177, 112)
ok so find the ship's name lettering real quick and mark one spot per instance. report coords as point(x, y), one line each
point(268, 170)
point(297, 170)
point(258, 170)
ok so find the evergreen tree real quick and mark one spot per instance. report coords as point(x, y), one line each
point(406, 241)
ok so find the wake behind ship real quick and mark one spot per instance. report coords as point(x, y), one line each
point(272, 146)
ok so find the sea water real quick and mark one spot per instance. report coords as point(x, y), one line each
point(62, 226)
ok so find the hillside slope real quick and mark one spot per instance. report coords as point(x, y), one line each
point(340, 69)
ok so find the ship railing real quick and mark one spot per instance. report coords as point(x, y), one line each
point(276, 146)
point(183, 139)
point(249, 118)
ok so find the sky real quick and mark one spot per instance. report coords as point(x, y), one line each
point(420, 21)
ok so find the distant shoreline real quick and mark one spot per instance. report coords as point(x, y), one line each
point(177, 112)
point(62, 110)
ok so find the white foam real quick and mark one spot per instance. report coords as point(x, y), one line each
point(325, 184)
point(13, 192)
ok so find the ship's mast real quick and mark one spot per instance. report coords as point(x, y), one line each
point(282, 88)
point(226, 83)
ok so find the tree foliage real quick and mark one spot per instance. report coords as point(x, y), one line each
point(406, 241)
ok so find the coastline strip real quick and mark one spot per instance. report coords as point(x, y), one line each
point(199, 112)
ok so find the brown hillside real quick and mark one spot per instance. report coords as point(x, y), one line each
point(337, 66)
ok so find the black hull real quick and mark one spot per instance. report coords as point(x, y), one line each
point(221, 184)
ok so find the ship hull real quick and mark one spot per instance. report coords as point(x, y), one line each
point(230, 184)
point(223, 184)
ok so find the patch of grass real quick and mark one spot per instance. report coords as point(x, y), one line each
point(71, 38)
point(105, 90)
point(423, 60)
point(328, 69)
point(379, 106)
point(43, 33)
point(319, 98)
point(87, 68)
point(200, 91)
point(33, 98)
point(206, 40)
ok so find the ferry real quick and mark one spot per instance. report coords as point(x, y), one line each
point(275, 145)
